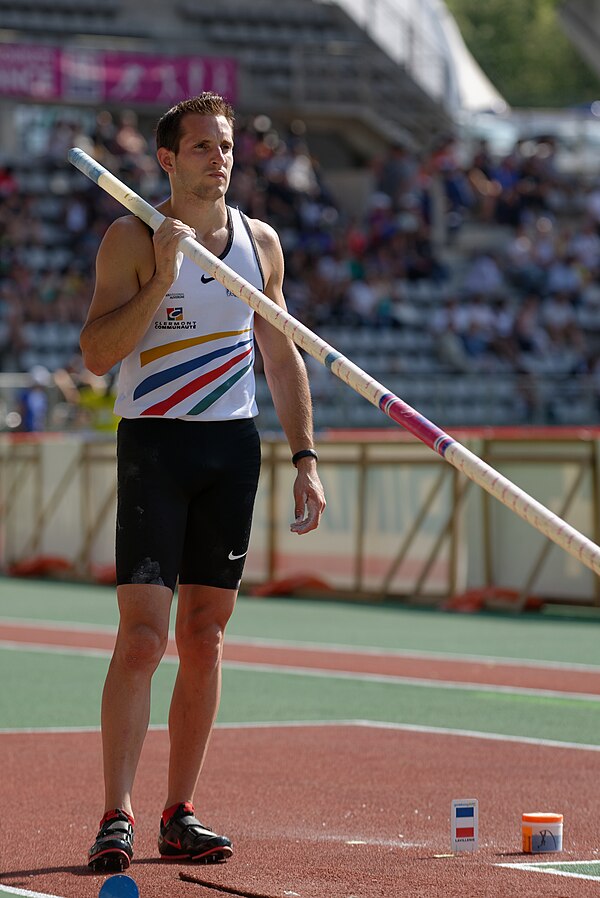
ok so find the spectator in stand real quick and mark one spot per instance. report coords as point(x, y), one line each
point(363, 300)
point(592, 203)
point(33, 401)
point(8, 182)
point(128, 142)
point(478, 331)
point(90, 397)
point(395, 175)
point(341, 267)
point(481, 317)
point(484, 275)
point(422, 262)
point(481, 174)
point(506, 172)
point(502, 342)
point(563, 275)
point(103, 136)
point(530, 336)
point(449, 324)
point(545, 249)
point(522, 268)
point(584, 247)
point(560, 322)
point(460, 197)
point(77, 215)
point(510, 209)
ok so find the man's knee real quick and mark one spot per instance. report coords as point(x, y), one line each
point(200, 642)
point(141, 646)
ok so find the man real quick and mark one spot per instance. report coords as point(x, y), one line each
point(188, 460)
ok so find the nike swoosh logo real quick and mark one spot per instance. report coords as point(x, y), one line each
point(233, 557)
point(206, 280)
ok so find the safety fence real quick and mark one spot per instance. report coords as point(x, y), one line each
point(400, 523)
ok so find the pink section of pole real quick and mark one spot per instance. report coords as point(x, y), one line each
point(420, 427)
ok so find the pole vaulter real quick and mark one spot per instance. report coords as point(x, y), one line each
point(528, 508)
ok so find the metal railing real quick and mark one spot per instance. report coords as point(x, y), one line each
point(400, 523)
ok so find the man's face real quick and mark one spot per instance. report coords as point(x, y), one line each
point(203, 163)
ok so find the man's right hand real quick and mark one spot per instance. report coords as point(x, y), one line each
point(166, 240)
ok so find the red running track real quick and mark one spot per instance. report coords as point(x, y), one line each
point(319, 812)
point(526, 676)
point(332, 811)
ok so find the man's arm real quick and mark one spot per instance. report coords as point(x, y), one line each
point(288, 383)
point(133, 274)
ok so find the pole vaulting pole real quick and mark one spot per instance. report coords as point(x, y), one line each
point(399, 411)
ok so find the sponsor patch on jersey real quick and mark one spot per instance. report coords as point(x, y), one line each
point(175, 320)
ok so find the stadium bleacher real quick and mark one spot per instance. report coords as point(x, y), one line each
point(381, 255)
point(401, 352)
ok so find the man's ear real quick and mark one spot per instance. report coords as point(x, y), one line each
point(166, 159)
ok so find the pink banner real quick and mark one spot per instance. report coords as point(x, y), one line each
point(98, 76)
point(31, 72)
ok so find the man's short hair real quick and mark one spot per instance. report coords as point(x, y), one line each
point(168, 129)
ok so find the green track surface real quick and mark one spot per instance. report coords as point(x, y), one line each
point(63, 602)
point(51, 689)
point(387, 627)
point(585, 869)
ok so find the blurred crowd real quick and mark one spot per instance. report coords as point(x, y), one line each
point(530, 303)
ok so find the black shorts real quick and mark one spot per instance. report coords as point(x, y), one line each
point(185, 499)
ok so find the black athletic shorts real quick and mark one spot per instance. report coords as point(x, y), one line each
point(185, 499)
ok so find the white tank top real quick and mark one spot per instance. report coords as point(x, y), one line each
point(196, 360)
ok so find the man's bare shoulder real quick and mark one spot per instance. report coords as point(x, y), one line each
point(266, 236)
point(130, 225)
point(129, 234)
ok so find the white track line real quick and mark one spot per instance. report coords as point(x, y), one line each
point(10, 891)
point(409, 681)
point(412, 653)
point(353, 722)
point(51, 649)
point(416, 728)
point(323, 673)
point(337, 648)
point(29, 623)
point(533, 868)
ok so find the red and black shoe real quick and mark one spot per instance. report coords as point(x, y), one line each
point(113, 849)
point(183, 837)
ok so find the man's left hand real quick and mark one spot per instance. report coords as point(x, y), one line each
point(309, 500)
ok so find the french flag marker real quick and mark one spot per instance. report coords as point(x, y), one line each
point(464, 831)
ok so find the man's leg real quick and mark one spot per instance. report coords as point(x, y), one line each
point(203, 612)
point(202, 615)
point(141, 642)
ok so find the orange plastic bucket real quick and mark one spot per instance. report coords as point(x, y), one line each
point(542, 832)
